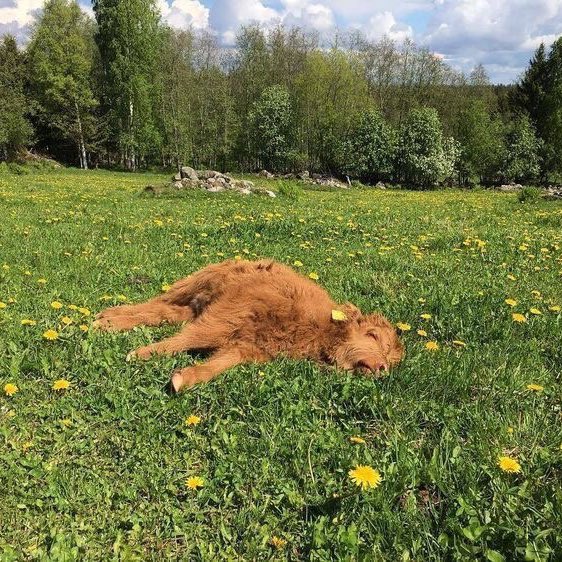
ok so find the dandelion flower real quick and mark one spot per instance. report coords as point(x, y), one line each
point(535, 387)
point(365, 476)
point(10, 389)
point(28, 322)
point(192, 420)
point(61, 384)
point(298, 263)
point(554, 308)
point(426, 316)
point(422, 333)
point(432, 346)
point(56, 305)
point(356, 439)
point(83, 327)
point(3, 305)
point(510, 302)
point(277, 542)
point(518, 318)
point(509, 464)
point(66, 320)
point(535, 311)
point(403, 326)
point(338, 316)
point(313, 275)
point(51, 335)
point(84, 311)
point(194, 482)
point(166, 287)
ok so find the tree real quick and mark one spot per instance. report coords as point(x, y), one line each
point(425, 157)
point(60, 61)
point(371, 148)
point(551, 129)
point(480, 135)
point(15, 129)
point(270, 125)
point(522, 155)
point(129, 36)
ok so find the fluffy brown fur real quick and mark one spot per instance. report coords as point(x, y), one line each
point(247, 311)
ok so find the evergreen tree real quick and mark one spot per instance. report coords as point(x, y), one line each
point(551, 128)
point(129, 37)
point(15, 129)
point(60, 61)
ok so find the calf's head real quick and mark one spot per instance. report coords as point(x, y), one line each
point(368, 344)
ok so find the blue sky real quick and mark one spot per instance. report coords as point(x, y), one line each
point(501, 34)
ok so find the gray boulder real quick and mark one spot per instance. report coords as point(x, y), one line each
point(189, 173)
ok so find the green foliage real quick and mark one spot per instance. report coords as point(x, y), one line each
point(129, 38)
point(271, 126)
point(61, 59)
point(425, 157)
point(522, 152)
point(529, 195)
point(15, 129)
point(290, 189)
point(371, 149)
point(481, 138)
point(97, 472)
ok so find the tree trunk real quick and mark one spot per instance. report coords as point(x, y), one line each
point(81, 143)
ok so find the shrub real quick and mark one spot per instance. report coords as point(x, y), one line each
point(289, 189)
point(529, 195)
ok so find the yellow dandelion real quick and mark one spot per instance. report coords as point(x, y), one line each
point(192, 420)
point(61, 384)
point(365, 476)
point(519, 318)
point(511, 302)
point(422, 333)
point(41, 281)
point(56, 305)
point(510, 430)
point(83, 327)
point(84, 311)
point(432, 346)
point(426, 316)
point(509, 464)
point(166, 287)
point(10, 389)
point(403, 326)
point(554, 308)
point(512, 277)
point(277, 542)
point(535, 311)
point(2, 305)
point(51, 335)
point(535, 387)
point(338, 316)
point(194, 482)
point(66, 320)
point(356, 439)
point(313, 275)
point(298, 263)
point(28, 322)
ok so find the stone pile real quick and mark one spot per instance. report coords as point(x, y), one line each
point(306, 176)
point(215, 182)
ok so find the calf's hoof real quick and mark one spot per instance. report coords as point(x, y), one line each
point(176, 383)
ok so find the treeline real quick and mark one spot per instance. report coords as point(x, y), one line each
point(127, 91)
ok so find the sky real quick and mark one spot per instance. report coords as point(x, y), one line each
point(500, 34)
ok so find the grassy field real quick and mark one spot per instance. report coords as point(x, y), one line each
point(98, 470)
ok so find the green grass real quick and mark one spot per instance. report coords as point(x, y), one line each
point(98, 471)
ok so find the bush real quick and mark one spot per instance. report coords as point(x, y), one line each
point(529, 195)
point(289, 189)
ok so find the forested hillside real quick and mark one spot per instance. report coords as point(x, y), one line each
point(126, 91)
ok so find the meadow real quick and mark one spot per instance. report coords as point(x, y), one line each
point(95, 457)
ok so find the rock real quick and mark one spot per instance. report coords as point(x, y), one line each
point(190, 173)
point(380, 185)
point(177, 177)
point(270, 193)
point(178, 185)
point(245, 191)
point(265, 174)
point(510, 187)
point(190, 184)
point(304, 175)
point(207, 174)
point(215, 188)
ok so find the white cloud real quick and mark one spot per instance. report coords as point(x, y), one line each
point(20, 12)
point(185, 13)
point(385, 24)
